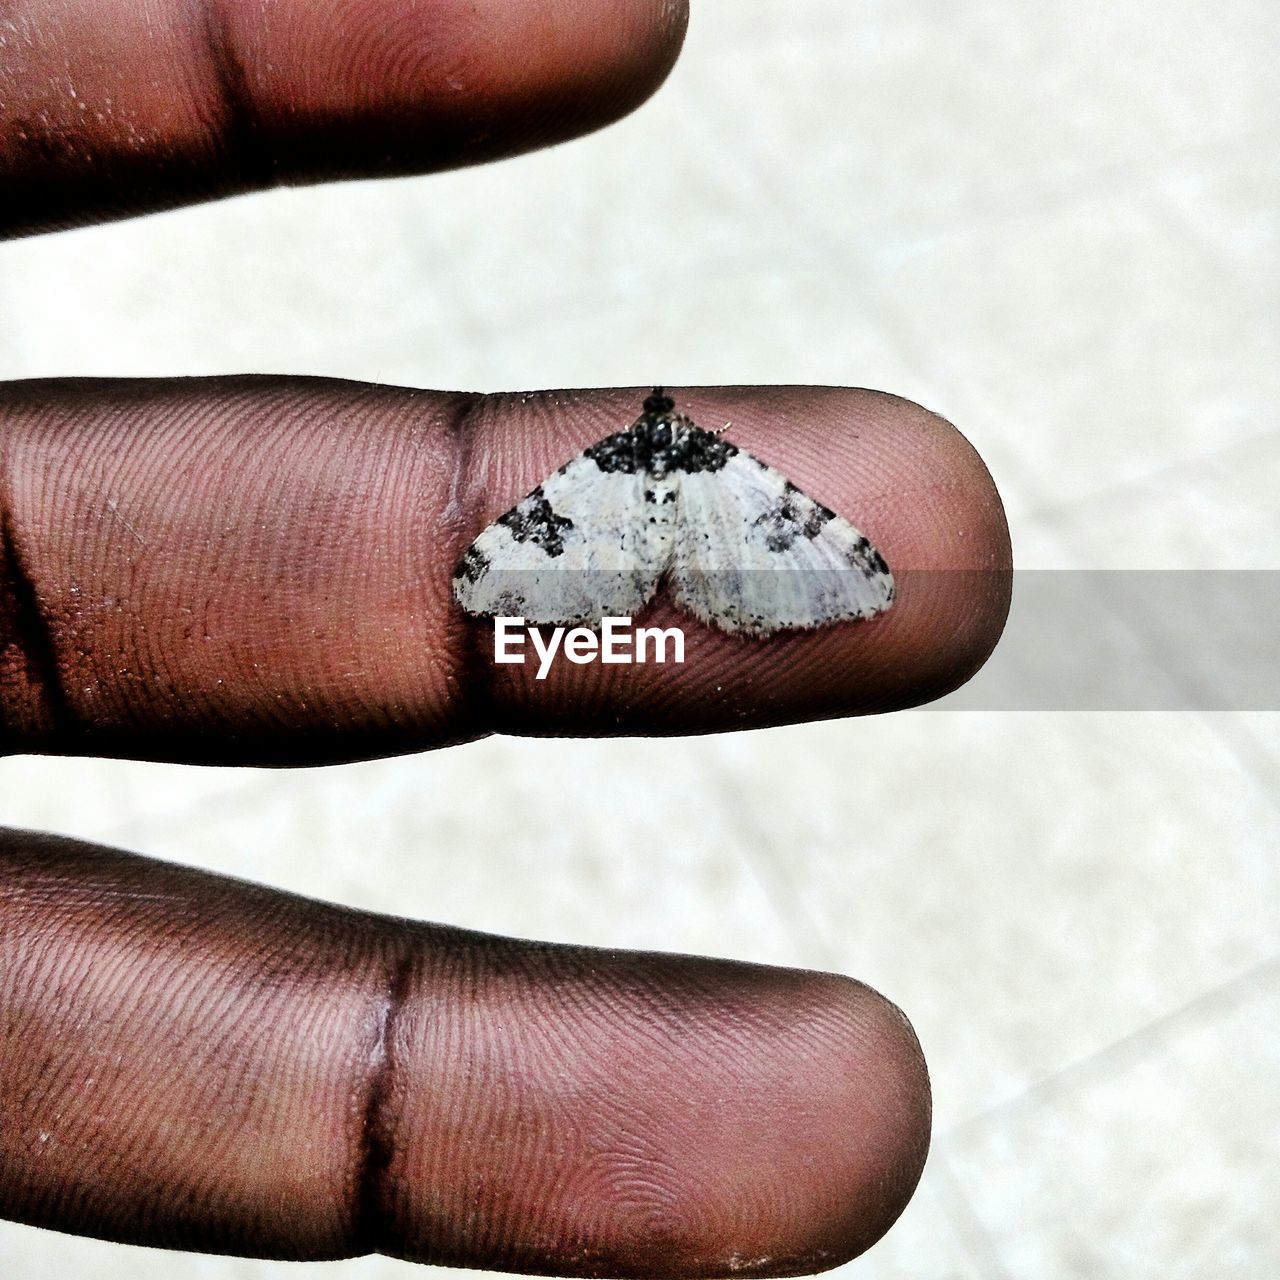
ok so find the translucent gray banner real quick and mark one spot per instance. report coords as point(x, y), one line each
point(1077, 640)
point(1134, 640)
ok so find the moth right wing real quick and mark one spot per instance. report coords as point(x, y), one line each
point(754, 555)
point(586, 544)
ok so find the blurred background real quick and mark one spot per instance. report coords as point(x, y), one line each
point(1055, 224)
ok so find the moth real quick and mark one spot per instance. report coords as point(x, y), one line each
point(668, 503)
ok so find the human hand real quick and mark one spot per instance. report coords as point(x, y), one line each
point(257, 571)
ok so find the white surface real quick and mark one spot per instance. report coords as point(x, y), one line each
point(1056, 225)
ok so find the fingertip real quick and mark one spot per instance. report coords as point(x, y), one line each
point(949, 537)
point(653, 1115)
point(834, 1124)
point(883, 1144)
point(903, 475)
point(378, 86)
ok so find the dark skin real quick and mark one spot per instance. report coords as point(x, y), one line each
point(257, 570)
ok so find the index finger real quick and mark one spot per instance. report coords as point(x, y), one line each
point(112, 108)
point(259, 570)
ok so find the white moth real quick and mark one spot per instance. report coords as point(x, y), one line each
point(737, 543)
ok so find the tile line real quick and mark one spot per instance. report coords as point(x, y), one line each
point(964, 1217)
point(762, 857)
point(1115, 1054)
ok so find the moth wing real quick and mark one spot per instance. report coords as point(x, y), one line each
point(754, 555)
point(585, 544)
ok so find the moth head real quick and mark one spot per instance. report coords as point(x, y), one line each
point(659, 403)
point(660, 426)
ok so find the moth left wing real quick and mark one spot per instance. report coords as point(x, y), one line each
point(754, 555)
point(587, 543)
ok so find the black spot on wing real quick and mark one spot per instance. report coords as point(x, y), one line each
point(795, 515)
point(864, 557)
point(693, 450)
point(618, 452)
point(472, 567)
point(533, 520)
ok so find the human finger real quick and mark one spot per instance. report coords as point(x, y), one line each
point(259, 570)
point(112, 108)
point(197, 1063)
